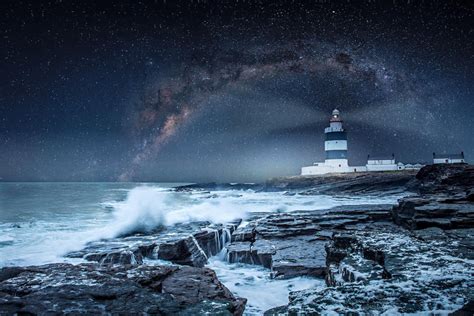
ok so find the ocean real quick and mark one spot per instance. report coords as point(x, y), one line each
point(41, 222)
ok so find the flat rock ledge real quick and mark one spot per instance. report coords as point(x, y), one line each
point(122, 290)
point(293, 244)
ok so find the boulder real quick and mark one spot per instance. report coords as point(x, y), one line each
point(183, 251)
point(125, 290)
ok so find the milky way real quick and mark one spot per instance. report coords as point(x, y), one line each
point(172, 103)
point(228, 91)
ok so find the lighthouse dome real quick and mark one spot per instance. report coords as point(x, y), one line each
point(335, 116)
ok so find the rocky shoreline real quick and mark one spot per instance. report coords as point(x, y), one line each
point(417, 256)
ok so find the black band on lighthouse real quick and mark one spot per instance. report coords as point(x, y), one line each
point(336, 136)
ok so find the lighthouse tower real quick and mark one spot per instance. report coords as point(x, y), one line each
point(335, 145)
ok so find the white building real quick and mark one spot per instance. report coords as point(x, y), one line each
point(409, 166)
point(383, 164)
point(335, 147)
point(448, 158)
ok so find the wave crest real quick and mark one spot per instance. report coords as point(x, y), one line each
point(147, 209)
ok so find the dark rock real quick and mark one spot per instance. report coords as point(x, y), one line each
point(388, 270)
point(445, 199)
point(334, 255)
point(239, 252)
point(213, 186)
point(209, 241)
point(470, 195)
point(183, 251)
point(259, 253)
point(445, 178)
point(431, 234)
point(466, 310)
point(344, 240)
point(353, 183)
point(430, 211)
point(10, 272)
point(121, 258)
point(276, 311)
point(340, 246)
point(180, 244)
point(146, 249)
point(246, 233)
point(374, 254)
point(262, 252)
point(88, 289)
point(299, 257)
point(353, 268)
point(294, 244)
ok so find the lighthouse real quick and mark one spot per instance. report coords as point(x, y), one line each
point(335, 144)
point(335, 148)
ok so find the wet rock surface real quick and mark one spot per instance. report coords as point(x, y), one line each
point(348, 183)
point(89, 289)
point(420, 262)
point(444, 200)
point(190, 245)
point(293, 244)
point(353, 183)
point(384, 268)
point(214, 186)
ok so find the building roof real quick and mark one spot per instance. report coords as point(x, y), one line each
point(391, 157)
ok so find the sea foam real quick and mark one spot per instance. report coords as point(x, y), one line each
point(147, 208)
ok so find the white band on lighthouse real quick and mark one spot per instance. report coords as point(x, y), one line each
point(335, 145)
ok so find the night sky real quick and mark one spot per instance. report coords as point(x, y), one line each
point(202, 91)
